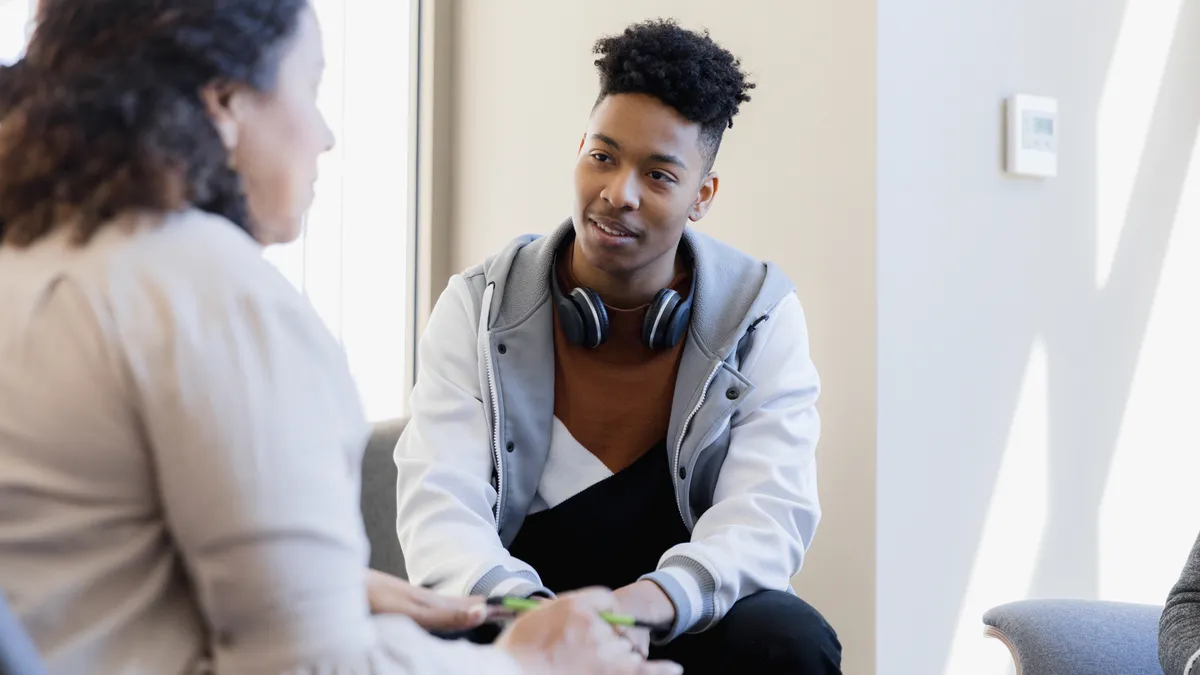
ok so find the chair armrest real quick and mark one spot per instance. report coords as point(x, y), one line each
point(1078, 637)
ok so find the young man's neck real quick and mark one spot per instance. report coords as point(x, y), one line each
point(627, 291)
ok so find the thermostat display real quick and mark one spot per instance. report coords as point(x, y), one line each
point(1032, 146)
point(1037, 132)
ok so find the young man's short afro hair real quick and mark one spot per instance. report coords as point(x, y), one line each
point(686, 70)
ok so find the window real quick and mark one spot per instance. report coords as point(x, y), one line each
point(16, 17)
point(351, 259)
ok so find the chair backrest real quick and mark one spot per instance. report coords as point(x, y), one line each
point(378, 498)
point(18, 655)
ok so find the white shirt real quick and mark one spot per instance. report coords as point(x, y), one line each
point(180, 443)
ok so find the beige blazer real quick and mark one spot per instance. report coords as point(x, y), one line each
point(180, 443)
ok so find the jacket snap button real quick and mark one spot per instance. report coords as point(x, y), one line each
point(682, 473)
point(732, 393)
point(510, 447)
point(503, 349)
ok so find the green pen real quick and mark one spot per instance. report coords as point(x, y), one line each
point(525, 604)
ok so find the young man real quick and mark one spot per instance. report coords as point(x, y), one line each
point(626, 402)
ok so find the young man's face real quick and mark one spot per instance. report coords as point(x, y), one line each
point(639, 178)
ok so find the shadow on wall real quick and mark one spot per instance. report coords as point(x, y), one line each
point(1038, 340)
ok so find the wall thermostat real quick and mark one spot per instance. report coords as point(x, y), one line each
point(1032, 136)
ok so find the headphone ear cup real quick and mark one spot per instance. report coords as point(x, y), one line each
point(570, 318)
point(681, 316)
point(656, 327)
point(593, 318)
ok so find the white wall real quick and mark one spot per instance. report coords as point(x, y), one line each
point(1037, 340)
point(797, 187)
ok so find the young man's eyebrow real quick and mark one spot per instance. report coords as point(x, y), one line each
point(606, 140)
point(656, 157)
point(668, 159)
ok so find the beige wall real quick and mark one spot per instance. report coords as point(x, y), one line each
point(798, 188)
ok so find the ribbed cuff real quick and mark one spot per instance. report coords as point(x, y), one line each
point(690, 588)
point(502, 581)
point(520, 588)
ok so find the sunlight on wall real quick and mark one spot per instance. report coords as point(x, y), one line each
point(1148, 516)
point(1012, 533)
point(1123, 119)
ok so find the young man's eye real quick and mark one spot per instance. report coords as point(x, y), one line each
point(660, 176)
point(601, 157)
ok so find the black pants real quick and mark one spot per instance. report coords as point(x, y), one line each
point(616, 530)
point(766, 633)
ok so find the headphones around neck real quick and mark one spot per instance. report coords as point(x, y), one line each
point(584, 321)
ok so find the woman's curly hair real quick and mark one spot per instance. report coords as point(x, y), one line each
point(104, 114)
point(686, 70)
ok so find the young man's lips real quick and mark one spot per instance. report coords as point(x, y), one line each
point(616, 229)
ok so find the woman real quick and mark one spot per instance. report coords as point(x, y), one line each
point(179, 435)
point(1179, 628)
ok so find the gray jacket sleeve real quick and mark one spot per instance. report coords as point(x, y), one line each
point(1179, 628)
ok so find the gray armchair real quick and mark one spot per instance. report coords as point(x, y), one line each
point(1078, 637)
point(378, 497)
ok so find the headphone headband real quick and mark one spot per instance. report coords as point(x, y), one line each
point(584, 319)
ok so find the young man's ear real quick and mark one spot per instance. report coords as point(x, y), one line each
point(582, 140)
point(704, 198)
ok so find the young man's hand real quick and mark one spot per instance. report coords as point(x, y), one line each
point(646, 601)
point(431, 610)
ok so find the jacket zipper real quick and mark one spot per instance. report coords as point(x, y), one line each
point(688, 420)
point(495, 400)
point(683, 432)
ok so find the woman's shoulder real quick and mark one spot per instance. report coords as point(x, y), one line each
point(190, 278)
point(189, 256)
point(179, 258)
point(188, 269)
point(183, 244)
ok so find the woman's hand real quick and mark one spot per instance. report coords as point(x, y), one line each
point(431, 610)
point(567, 635)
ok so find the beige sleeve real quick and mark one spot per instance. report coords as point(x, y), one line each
point(256, 436)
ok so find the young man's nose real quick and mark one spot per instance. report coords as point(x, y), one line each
point(623, 191)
